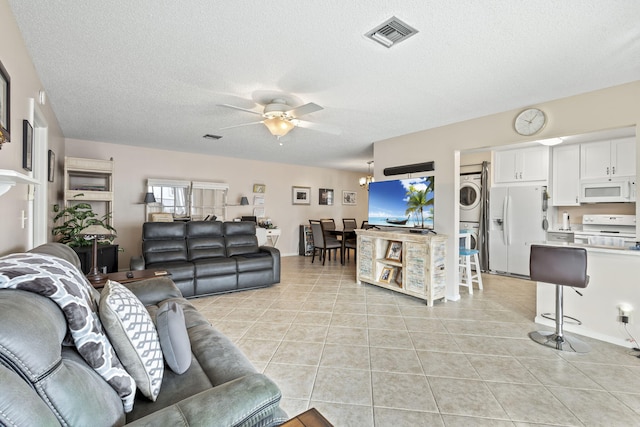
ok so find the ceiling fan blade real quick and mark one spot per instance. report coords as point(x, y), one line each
point(304, 109)
point(333, 130)
point(240, 108)
point(244, 124)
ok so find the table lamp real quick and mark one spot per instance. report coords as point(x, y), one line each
point(96, 232)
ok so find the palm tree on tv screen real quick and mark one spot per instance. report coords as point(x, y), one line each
point(419, 198)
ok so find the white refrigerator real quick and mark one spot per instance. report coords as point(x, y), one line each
point(516, 221)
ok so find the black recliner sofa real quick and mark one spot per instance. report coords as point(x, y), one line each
point(208, 257)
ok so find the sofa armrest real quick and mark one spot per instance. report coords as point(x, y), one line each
point(155, 290)
point(136, 263)
point(241, 402)
point(275, 254)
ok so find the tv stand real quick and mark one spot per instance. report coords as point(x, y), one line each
point(422, 231)
point(418, 269)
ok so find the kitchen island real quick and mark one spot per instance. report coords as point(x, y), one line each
point(613, 280)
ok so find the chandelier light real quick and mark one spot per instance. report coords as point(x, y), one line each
point(368, 179)
point(278, 126)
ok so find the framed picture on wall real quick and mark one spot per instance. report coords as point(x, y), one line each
point(349, 197)
point(5, 106)
point(27, 145)
point(259, 188)
point(301, 195)
point(325, 196)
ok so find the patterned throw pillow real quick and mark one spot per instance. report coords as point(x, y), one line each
point(133, 336)
point(174, 338)
point(60, 281)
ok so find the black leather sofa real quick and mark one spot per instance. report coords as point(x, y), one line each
point(208, 257)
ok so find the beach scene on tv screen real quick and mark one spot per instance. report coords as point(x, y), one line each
point(402, 203)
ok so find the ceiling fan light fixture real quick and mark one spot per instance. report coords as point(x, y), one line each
point(278, 126)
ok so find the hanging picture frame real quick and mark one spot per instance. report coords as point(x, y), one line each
point(5, 106)
point(349, 197)
point(325, 196)
point(301, 195)
point(27, 146)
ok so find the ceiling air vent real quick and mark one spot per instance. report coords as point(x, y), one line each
point(391, 32)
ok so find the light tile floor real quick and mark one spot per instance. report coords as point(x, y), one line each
point(366, 356)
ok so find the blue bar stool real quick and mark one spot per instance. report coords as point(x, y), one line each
point(467, 261)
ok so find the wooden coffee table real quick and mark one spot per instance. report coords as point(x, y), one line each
point(309, 418)
point(137, 275)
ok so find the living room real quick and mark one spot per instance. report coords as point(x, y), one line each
point(608, 106)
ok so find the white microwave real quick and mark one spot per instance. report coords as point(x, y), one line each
point(623, 190)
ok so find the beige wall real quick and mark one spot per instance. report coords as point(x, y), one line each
point(25, 86)
point(603, 109)
point(134, 165)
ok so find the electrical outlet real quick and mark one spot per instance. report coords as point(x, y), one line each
point(625, 313)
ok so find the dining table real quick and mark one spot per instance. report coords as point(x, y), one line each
point(342, 235)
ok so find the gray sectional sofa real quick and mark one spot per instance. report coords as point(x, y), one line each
point(46, 382)
point(209, 257)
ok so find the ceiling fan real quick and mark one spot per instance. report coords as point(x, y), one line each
point(280, 117)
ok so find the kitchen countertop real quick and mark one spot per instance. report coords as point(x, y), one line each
point(594, 248)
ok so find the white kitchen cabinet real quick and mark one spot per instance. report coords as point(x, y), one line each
point(565, 177)
point(521, 165)
point(608, 159)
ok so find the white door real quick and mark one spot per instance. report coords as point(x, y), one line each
point(623, 157)
point(595, 159)
point(505, 166)
point(566, 175)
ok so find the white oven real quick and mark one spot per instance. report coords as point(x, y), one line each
point(607, 230)
point(623, 190)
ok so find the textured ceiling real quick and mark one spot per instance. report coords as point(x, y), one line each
point(153, 73)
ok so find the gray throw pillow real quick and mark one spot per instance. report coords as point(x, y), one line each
point(174, 338)
point(133, 336)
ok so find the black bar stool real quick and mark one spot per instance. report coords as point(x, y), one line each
point(561, 266)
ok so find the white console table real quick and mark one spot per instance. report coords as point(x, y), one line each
point(417, 270)
point(273, 234)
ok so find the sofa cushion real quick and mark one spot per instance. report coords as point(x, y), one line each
point(253, 262)
point(240, 238)
point(215, 267)
point(205, 240)
point(174, 338)
point(133, 336)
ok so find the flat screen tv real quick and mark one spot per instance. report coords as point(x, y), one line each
point(402, 203)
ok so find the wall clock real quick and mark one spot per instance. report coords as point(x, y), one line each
point(530, 121)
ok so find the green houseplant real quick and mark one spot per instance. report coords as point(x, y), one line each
point(75, 218)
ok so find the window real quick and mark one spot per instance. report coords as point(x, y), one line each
point(188, 200)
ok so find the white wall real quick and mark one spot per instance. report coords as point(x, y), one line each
point(604, 109)
point(134, 165)
point(25, 86)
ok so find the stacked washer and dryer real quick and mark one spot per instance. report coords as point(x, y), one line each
point(470, 195)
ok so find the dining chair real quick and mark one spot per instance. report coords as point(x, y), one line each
point(350, 243)
point(365, 225)
point(328, 223)
point(322, 241)
point(349, 223)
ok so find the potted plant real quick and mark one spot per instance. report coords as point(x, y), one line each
point(76, 218)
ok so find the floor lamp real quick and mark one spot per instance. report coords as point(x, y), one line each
point(97, 232)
